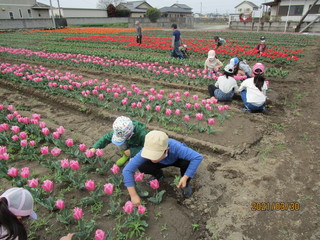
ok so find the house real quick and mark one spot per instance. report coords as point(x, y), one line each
point(286, 10)
point(23, 9)
point(137, 8)
point(246, 7)
point(176, 11)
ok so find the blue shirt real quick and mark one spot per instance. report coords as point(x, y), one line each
point(176, 33)
point(177, 150)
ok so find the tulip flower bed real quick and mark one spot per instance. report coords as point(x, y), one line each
point(27, 140)
point(165, 108)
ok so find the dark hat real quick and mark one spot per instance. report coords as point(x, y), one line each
point(262, 38)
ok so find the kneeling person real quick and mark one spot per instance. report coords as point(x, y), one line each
point(160, 152)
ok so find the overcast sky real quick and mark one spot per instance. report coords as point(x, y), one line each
point(208, 6)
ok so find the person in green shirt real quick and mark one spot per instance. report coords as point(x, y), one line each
point(127, 134)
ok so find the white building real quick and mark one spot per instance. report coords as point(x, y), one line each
point(282, 10)
point(81, 12)
point(246, 7)
point(23, 9)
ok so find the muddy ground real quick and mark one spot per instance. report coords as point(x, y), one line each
point(269, 158)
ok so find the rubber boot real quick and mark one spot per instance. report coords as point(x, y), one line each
point(122, 160)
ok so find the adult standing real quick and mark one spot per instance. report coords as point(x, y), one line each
point(139, 32)
point(176, 42)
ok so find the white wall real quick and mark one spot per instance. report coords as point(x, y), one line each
point(82, 12)
point(245, 8)
point(306, 4)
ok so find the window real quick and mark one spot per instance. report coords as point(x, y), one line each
point(295, 10)
point(11, 15)
point(248, 9)
point(239, 9)
point(315, 9)
point(29, 13)
point(20, 12)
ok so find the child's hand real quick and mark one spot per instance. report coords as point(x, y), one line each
point(136, 200)
point(183, 182)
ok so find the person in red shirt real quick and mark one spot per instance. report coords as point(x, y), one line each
point(261, 47)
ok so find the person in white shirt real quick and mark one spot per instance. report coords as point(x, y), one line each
point(225, 86)
point(212, 64)
point(253, 90)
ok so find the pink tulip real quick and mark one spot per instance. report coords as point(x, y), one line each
point(211, 121)
point(23, 143)
point(10, 107)
point(55, 151)
point(169, 102)
point(61, 130)
point(99, 152)
point(148, 107)
point(77, 213)
point(69, 142)
point(168, 112)
point(138, 176)
point(42, 124)
point(4, 127)
point(115, 169)
point(64, 163)
point(33, 183)
point(171, 95)
point(99, 235)
point(1, 107)
point(32, 143)
point(47, 185)
point(56, 135)
point(44, 150)
point(141, 209)
point(15, 129)
point(74, 164)
point(4, 156)
point(186, 118)
point(186, 94)
point(133, 105)
point(195, 97)
point(128, 207)
point(196, 105)
point(199, 116)
point(90, 185)
point(15, 138)
point(45, 131)
point(89, 153)
point(23, 135)
point(108, 188)
point(188, 105)
point(158, 108)
point(36, 116)
point(221, 108)
point(25, 173)
point(226, 107)
point(13, 172)
point(82, 147)
point(3, 150)
point(60, 204)
point(154, 184)
point(10, 116)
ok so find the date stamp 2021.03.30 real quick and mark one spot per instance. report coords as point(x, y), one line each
point(275, 206)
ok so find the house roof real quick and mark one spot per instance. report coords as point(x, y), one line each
point(248, 2)
point(184, 6)
point(174, 10)
point(134, 6)
point(39, 5)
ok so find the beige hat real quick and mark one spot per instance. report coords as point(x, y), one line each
point(155, 143)
point(211, 54)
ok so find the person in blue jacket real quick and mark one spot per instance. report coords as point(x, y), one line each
point(160, 152)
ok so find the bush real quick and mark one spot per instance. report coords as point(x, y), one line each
point(153, 14)
point(123, 12)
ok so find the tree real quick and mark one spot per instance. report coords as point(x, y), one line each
point(153, 14)
point(111, 10)
point(105, 3)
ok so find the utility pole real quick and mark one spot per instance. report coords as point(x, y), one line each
point(59, 9)
point(52, 16)
point(201, 8)
point(285, 27)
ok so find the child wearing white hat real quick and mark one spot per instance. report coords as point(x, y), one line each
point(16, 204)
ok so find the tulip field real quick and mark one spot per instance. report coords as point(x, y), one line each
point(62, 89)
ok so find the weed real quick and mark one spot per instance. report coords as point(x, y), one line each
point(83, 109)
point(96, 207)
point(158, 215)
point(277, 126)
point(307, 198)
point(305, 137)
point(164, 227)
point(195, 226)
point(22, 107)
point(280, 146)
